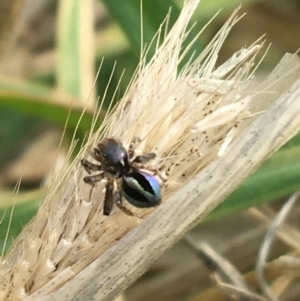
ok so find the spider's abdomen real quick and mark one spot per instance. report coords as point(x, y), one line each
point(141, 189)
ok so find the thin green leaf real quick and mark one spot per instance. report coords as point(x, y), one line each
point(23, 206)
point(208, 8)
point(45, 103)
point(154, 13)
point(129, 18)
point(75, 69)
point(278, 177)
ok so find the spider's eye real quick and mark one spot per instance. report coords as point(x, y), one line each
point(141, 189)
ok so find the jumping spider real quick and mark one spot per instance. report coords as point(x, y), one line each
point(140, 188)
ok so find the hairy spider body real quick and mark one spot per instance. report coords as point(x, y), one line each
point(117, 165)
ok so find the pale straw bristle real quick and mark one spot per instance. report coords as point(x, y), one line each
point(187, 119)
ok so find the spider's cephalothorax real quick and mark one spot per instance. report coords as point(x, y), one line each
point(140, 188)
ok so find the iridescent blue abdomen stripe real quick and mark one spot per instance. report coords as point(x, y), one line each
point(141, 189)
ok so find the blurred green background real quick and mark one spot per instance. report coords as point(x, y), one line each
point(50, 52)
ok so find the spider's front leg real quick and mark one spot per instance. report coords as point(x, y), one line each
point(109, 197)
point(89, 166)
point(92, 180)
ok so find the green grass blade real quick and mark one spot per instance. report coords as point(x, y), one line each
point(128, 17)
point(75, 69)
point(277, 177)
point(154, 13)
point(45, 103)
point(23, 207)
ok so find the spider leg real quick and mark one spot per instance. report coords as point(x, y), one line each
point(141, 160)
point(159, 174)
point(109, 197)
point(144, 158)
point(91, 180)
point(89, 166)
point(132, 146)
point(153, 169)
point(119, 200)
